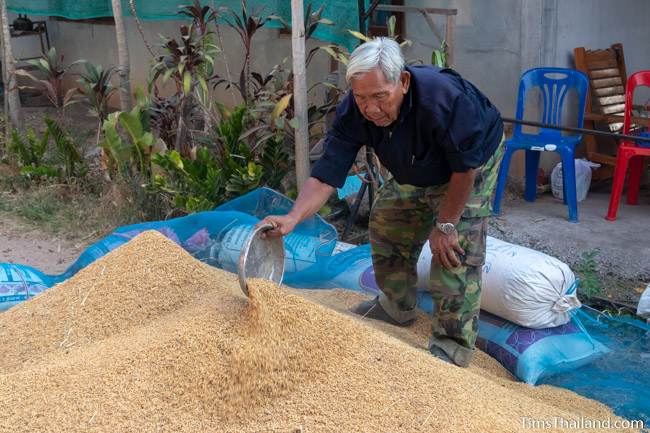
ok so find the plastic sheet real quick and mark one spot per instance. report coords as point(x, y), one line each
point(618, 379)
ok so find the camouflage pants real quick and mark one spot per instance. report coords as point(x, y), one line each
point(401, 221)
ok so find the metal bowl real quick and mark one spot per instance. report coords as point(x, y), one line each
point(261, 258)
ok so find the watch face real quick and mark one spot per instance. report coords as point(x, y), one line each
point(446, 227)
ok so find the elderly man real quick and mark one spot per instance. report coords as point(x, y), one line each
point(441, 139)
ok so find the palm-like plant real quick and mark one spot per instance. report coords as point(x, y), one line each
point(52, 69)
point(201, 16)
point(246, 24)
point(184, 61)
point(189, 63)
point(95, 89)
point(312, 21)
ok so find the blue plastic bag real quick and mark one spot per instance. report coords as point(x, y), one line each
point(533, 354)
point(19, 283)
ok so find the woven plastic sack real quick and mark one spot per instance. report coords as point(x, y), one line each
point(533, 354)
point(524, 286)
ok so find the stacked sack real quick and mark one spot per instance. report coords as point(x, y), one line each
point(524, 286)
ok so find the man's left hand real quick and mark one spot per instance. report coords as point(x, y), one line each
point(445, 248)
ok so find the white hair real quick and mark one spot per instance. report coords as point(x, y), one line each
point(380, 52)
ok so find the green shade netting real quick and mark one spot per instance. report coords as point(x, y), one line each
point(344, 13)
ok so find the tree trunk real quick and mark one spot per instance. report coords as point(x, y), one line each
point(122, 56)
point(10, 85)
point(300, 91)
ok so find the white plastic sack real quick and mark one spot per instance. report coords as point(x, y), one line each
point(522, 285)
point(583, 179)
point(643, 309)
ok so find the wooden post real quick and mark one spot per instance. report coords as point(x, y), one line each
point(10, 85)
point(5, 114)
point(122, 56)
point(300, 91)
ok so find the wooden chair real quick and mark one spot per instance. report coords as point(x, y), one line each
point(605, 103)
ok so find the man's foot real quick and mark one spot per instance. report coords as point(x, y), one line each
point(372, 309)
point(440, 354)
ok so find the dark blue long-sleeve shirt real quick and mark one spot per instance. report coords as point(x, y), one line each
point(445, 125)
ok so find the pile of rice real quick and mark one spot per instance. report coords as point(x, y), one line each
point(148, 339)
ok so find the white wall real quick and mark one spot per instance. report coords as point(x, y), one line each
point(96, 43)
point(488, 44)
point(597, 24)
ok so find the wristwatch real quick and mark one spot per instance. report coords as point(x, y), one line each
point(446, 228)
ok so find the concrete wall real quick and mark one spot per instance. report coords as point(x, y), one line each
point(488, 44)
point(96, 43)
point(599, 23)
point(497, 40)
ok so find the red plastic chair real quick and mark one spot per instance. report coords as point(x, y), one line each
point(629, 152)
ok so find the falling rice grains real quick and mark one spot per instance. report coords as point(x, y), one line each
point(149, 339)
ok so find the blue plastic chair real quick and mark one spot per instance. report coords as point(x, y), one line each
point(554, 84)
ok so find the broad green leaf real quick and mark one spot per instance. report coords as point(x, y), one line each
point(359, 35)
point(282, 105)
point(168, 73)
point(187, 82)
point(131, 123)
point(45, 65)
point(392, 22)
point(204, 84)
point(176, 159)
point(330, 51)
point(140, 96)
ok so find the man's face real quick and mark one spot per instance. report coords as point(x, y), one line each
point(379, 100)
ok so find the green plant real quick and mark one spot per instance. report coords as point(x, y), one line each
point(66, 150)
point(189, 63)
point(201, 16)
point(247, 165)
point(246, 24)
point(312, 21)
point(231, 169)
point(194, 185)
point(439, 56)
point(52, 69)
point(128, 142)
point(38, 161)
point(185, 61)
point(271, 113)
point(163, 117)
point(587, 270)
point(28, 149)
point(95, 89)
point(29, 152)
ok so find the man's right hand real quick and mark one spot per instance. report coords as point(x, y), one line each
point(313, 195)
point(283, 225)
